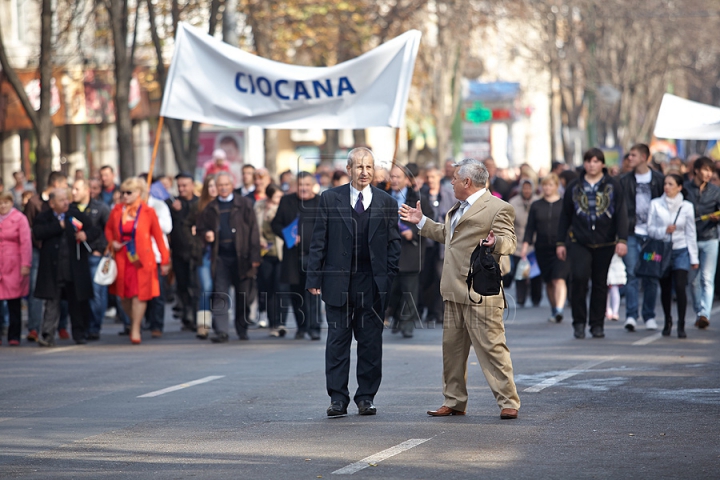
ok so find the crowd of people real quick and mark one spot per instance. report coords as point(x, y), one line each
point(176, 241)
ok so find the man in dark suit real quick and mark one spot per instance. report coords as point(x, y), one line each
point(303, 206)
point(353, 261)
point(406, 286)
point(64, 272)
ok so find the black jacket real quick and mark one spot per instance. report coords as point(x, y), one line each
point(97, 212)
point(181, 238)
point(706, 202)
point(329, 266)
point(610, 225)
point(629, 186)
point(542, 224)
point(47, 230)
point(290, 208)
point(243, 224)
point(411, 251)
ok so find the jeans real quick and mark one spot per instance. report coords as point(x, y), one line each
point(703, 279)
point(205, 282)
point(35, 305)
point(589, 264)
point(155, 312)
point(98, 304)
point(632, 288)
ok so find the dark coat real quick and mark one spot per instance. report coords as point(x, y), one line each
point(412, 251)
point(705, 202)
point(98, 213)
point(35, 205)
point(629, 186)
point(47, 230)
point(181, 238)
point(329, 266)
point(243, 223)
point(295, 258)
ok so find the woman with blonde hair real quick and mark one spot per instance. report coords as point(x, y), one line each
point(130, 227)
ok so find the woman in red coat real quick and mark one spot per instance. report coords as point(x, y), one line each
point(15, 260)
point(130, 227)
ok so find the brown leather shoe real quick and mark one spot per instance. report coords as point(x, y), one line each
point(702, 322)
point(444, 412)
point(508, 413)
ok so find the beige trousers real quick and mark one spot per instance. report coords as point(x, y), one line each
point(482, 327)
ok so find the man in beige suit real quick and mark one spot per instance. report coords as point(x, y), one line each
point(476, 217)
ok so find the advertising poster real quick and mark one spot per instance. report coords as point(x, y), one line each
point(231, 141)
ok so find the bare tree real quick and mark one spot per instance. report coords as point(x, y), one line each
point(41, 119)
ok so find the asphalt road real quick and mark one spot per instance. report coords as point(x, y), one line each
point(630, 405)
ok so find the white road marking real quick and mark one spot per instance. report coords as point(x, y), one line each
point(181, 386)
point(549, 382)
point(379, 457)
point(59, 350)
point(648, 339)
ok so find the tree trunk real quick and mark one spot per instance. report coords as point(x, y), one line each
point(331, 145)
point(45, 127)
point(271, 150)
point(229, 24)
point(118, 13)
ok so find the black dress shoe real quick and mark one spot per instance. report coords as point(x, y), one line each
point(81, 341)
point(336, 409)
point(243, 336)
point(579, 330)
point(314, 336)
point(597, 332)
point(92, 336)
point(299, 335)
point(220, 338)
point(366, 407)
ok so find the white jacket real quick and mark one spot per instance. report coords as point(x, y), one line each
point(685, 234)
point(165, 221)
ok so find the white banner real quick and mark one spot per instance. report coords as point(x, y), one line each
point(212, 82)
point(682, 119)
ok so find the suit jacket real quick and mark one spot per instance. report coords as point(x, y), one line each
point(487, 213)
point(411, 251)
point(47, 229)
point(295, 258)
point(329, 265)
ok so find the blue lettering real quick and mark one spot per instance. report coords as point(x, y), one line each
point(237, 82)
point(345, 85)
point(252, 85)
point(277, 89)
point(300, 90)
point(327, 89)
point(264, 81)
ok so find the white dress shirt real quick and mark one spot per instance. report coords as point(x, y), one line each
point(471, 200)
point(367, 196)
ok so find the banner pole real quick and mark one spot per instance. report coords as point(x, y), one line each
point(158, 134)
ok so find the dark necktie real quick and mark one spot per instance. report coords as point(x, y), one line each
point(359, 207)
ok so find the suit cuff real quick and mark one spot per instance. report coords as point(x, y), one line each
point(421, 223)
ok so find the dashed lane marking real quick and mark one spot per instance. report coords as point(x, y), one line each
point(549, 382)
point(379, 457)
point(180, 387)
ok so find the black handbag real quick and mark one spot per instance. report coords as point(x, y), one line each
point(484, 276)
point(655, 256)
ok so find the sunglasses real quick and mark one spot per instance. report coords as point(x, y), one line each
point(127, 192)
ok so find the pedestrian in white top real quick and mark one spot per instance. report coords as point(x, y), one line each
point(672, 215)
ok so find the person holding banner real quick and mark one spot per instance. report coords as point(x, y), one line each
point(353, 261)
point(294, 222)
point(64, 271)
point(129, 230)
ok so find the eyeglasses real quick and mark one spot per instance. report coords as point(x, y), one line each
point(127, 192)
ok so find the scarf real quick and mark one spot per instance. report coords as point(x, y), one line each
point(674, 204)
point(130, 211)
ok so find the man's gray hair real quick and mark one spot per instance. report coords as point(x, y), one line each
point(474, 170)
point(224, 174)
point(359, 153)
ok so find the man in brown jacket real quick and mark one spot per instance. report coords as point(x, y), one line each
point(476, 217)
point(229, 225)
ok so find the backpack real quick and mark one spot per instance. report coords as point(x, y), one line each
point(484, 276)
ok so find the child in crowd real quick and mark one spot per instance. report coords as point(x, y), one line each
point(617, 277)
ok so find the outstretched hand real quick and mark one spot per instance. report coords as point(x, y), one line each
point(409, 214)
